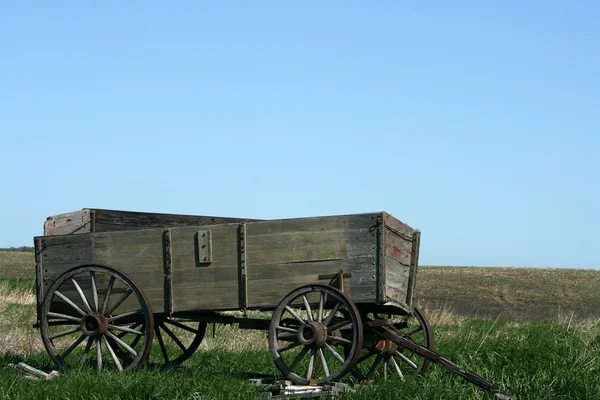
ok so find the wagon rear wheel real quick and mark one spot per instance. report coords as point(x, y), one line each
point(96, 315)
point(178, 339)
point(382, 359)
point(308, 332)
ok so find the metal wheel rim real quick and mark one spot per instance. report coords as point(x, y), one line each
point(121, 344)
point(330, 318)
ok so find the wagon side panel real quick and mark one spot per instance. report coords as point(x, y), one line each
point(205, 268)
point(399, 262)
point(56, 255)
point(139, 254)
point(282, 255)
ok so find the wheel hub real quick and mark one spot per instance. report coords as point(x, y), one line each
point(386, 347)
point(94, 325)
point(313, 334)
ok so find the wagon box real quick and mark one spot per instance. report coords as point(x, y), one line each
point(242, 265)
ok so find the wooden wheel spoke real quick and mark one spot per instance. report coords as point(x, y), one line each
point(112, 354)
point(122, 334)
point(64, 333)
point(86, 351)
point(180, 325)
point(81, 295)
point(335, 353)
point(311, 363)
point(121, 343)
point(98, 355)
point(72, 346)
point(397, 368)
point(299, 357)
point(308, 309)
point(69, 302)
point(286, 329)
point(374, 366)
point(298, 318)
point(385, 369)
point(162, 344)
point(339, 325)
point(94, 290)
point(288, 347)
point(111, 282)
point(335, 309)
point(118, 302)
point(286, 336)
point(365, 357)
point(173, 336)
point(323, 362)
point(321, 304)
point(407, 360)
point(339, 339)
point(125, 330)
point(63, 316)
point(414, 330)
point(125, 315)
point(137, 339)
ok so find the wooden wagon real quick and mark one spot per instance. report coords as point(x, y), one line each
point(340, 290)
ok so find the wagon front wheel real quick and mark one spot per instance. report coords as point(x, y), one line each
point(96, 315)
point(309, 331)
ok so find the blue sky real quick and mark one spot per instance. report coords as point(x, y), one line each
point(476, 122)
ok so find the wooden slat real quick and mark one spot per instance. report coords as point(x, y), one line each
point(68, 223)
point(200, 286)
point(137, 253)
point(62, 253)
point(398, 259)
point(113, 220)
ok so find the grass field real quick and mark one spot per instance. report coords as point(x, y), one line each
point(558, 358)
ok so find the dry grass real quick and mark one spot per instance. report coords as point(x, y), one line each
point(17, 315)
point(527, 294)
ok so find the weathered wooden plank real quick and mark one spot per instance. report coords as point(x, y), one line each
point(61, 253)
point(396, 225)
point(398, 248)
point(201, 286)
point(68, 223)
point(137, 253)
point(398, 260)
point(397, 280)
point(112, 220)
point(100, 220)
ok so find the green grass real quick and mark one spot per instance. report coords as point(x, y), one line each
point(17, 264)
point(555, 359)
point(534, 361)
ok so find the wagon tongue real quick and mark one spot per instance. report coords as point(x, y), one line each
point(408, 343)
